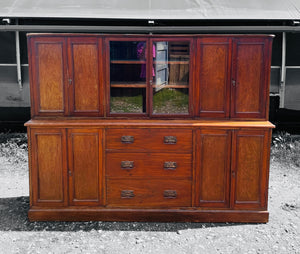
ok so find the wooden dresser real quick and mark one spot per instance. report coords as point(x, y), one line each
point(149, 127)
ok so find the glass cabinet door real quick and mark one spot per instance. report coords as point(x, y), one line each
point(128, 76)
point(170, 77)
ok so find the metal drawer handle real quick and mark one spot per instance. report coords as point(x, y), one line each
point(170, 165)
point(127, 164)
point(170, 140)
point(170, 194)
point(127, 194)
point(127, 139)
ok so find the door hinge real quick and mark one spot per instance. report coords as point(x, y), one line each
point(70, 173)
point(70, 81)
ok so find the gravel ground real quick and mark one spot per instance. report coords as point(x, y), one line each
point(280, 235)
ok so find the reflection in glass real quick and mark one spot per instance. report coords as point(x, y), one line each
point(128, 76)
point(171, 77)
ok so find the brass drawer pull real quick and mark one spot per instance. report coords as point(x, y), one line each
point(127, 164)
point(170, 194)
point(172, 165)
point(127, 139)
point(127, 194)
point(170, 140)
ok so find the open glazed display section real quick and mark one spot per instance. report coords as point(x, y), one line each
point(149, 127)
point(149, 76)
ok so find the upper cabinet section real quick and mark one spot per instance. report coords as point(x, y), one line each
point(66, 76)
point(206, 76)
point(232, 76)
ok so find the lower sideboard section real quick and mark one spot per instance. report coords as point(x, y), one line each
point(207, 174)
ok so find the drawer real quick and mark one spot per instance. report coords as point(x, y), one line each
point(149, 139)
point(148, 164)
point(148, 193)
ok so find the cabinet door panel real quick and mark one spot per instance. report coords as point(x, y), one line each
point(48, 171)
point(250, 78)
point(213, 167)
point(48, 73)
point(214, 76)
point(250, 168)
point(85, 153)
point(86, 72)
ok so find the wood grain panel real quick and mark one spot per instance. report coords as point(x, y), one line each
point(214, 168)
point(49, 70)
point(148, 193)
point(85, 72)
point(249, 93)
point(48, 167)
point(148, 165)
point(214, 77)
point(84, 163)
point(249, 169)
point(150, 139)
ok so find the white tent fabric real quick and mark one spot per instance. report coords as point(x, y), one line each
point(153, 9)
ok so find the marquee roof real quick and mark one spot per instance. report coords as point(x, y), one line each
point(153, 9)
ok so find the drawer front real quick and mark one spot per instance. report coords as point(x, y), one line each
point(149, 139)
point(148, 164)
point(148, 193)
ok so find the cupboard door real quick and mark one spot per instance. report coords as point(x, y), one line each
point(48, 63)
point(213, 168)
point(86, 78)
point(250, 82)
point(250, 167)
point(48, 167)
point(85, 166)
point(213, 79)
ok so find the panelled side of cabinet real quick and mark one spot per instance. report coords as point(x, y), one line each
point(250, 77)
point(213, 76)
point(48, 71)
point(48, 170)
point(85, 166)
point(85, 76)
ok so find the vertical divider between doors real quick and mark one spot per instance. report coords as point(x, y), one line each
point(65, 166)
point(233, 173)
point(102, 78)
point(70, 166)
point(193, 52)
point(196, 175)
point(233, 77)
point(102, 143)
point(229, 88)
point(149, 79)
point(70, 71)
point(106, 74)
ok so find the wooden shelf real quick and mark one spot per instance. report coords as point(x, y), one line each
point(127, 62)
point(171, 62)
point(172, 85)
point(128, 85)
